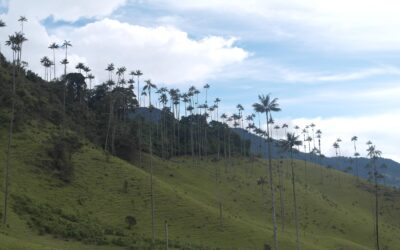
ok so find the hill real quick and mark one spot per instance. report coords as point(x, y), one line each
point(81, 180)
point(47, 212)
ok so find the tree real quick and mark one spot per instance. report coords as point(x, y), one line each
point(80, 66)
point(110, 68)
point(288, 145)
point(268, 105)
point(90, 77)
point(22, 19)
point(149, 85)
point(15, 42)
point(374, 154)
point(354, 140)
point(2, 24)
point(45, 61)
point(138, 74)
point(54, 47)
point(65, 46)
point(130, 220)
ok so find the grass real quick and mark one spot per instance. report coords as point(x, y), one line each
point(333, 214)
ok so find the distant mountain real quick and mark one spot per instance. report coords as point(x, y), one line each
point(391, 171)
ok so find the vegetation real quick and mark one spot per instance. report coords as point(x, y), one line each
point(69, 148)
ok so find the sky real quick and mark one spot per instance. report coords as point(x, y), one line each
point(332, 63)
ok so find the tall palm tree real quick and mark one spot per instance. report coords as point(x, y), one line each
point(2, 24)
point(206, 87)
point(22, 19)
point(149, 85)
point(80, 66)
point(293, 141)
point(90, 77)
point(54, 47)
point(138, 74)
point(354, 140)
point(45, 61)
point(15, 42)
point(268, 105)
point(110, 68)
point(65, 46)
point(374, 154)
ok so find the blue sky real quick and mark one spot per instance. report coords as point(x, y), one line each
point(332, 63)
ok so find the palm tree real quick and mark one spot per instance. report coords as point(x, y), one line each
point(374, 154)
point(312, 125)
point(149, 85)
point(80, 66)
point(292, 141)
point(53, 47)
point(22, 19)
point(2, 24)
point(206, 87)
point(354, 140)
point(90, 77)
point(45, 61)
point(268, 105)
point(65, 46)
point(110, 68)
point(15, 42)
point(138, 73)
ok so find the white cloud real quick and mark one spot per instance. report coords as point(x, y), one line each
point(164, 53)
point(337, 25)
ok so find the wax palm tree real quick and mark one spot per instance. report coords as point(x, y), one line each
point(268, 105)
point(288, 145)
point(312, 126)
point(206, 87)
point(54, 47)
point(149, 85)
point(15, 42)
point(2, 24)
point(120, 73)
point(65, 46)
point(80, 66)
point(22, 20)
point(110, 68)
point(45, 62)
point(354, 140)
point(90, 77)
point(138, 74)
point(374, 154)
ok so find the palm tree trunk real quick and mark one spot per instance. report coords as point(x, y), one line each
point(9, 142)
point(295, 202)
point(376, 207)
point(271, 187)
point(151, 188)
point(281, 195)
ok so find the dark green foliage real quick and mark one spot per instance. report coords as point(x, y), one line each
point(61, 150)
point(130, 220)
point(48, 220)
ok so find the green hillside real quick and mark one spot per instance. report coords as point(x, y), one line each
point(90, 211)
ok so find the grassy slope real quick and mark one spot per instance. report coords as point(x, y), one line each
point(332, 216)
